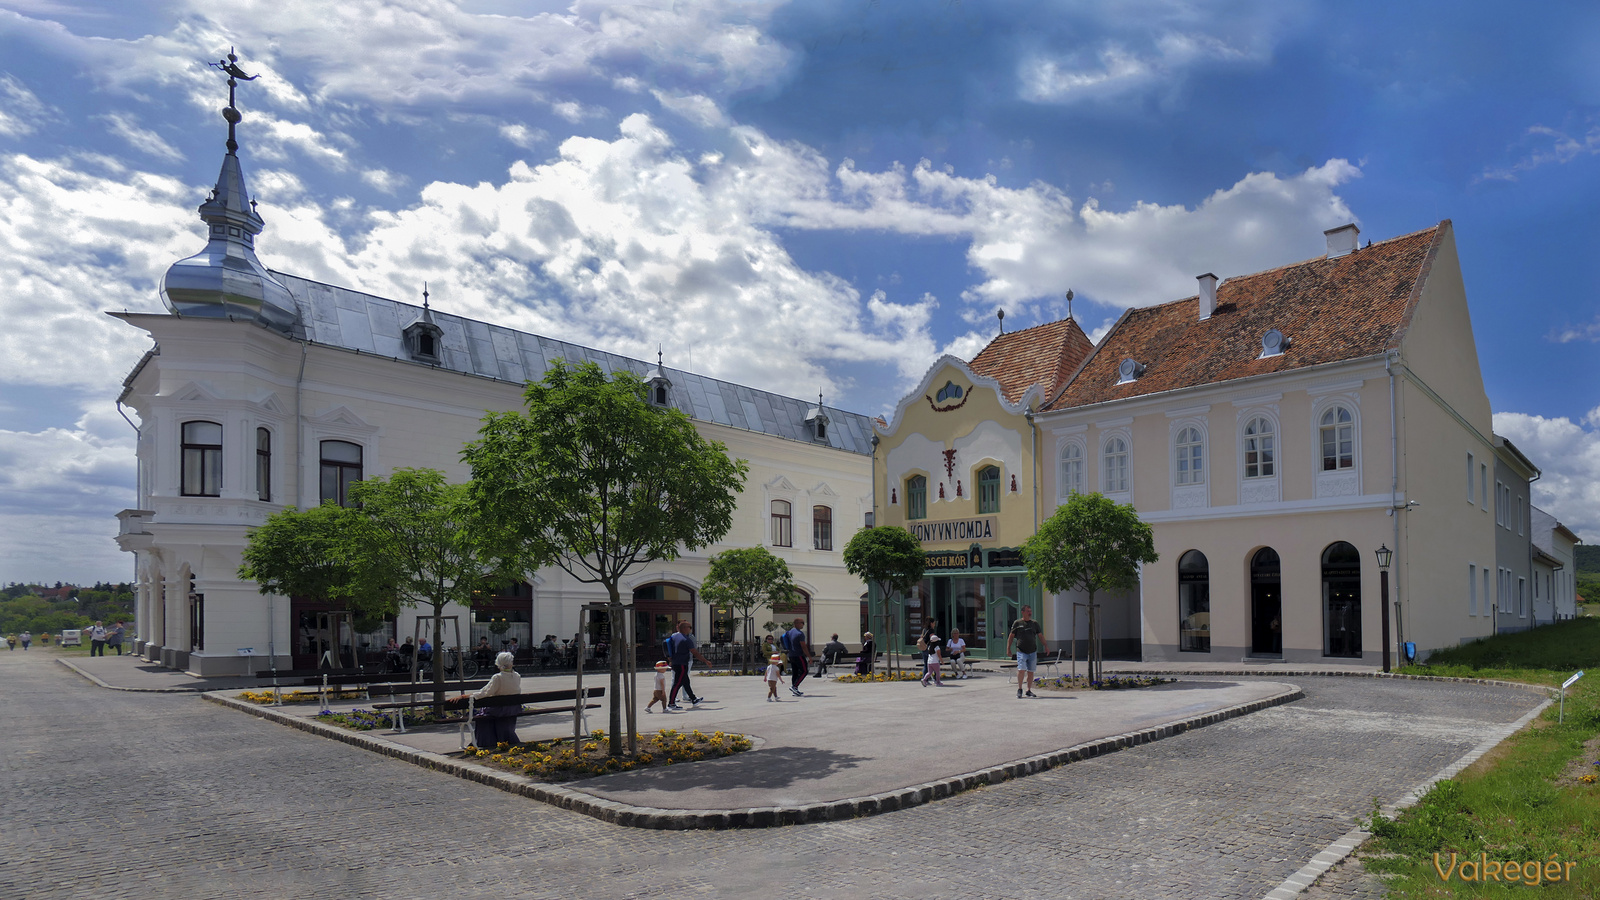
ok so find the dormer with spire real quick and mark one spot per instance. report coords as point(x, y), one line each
point(817, 421)
point(658, 385)
point(423, 338)
point(226, 280)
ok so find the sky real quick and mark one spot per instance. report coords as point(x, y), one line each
point(820, 196)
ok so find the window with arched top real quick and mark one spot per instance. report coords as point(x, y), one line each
point(341, 467)
point(989, 489)
point(782, 524)
point(1336, 431)
point(1260, 448)
point(263, 464)
point(201, 460)
point(1115, 466)
point(1341, 600)
point(1071, 470)
point(917, 497)
point(1190, 462)
point(1194, 603)
point(821, 528)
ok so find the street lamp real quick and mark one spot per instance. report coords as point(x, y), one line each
point(1385, 556)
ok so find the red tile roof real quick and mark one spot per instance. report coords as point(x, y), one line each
point(1353, 306)
point(1045, 355)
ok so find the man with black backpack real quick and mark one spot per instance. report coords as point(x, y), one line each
point(794, 644)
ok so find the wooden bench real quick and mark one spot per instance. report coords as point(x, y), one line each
point(568, 698)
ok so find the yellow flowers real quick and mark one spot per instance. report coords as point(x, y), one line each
point(879, 678)
point(558, 760)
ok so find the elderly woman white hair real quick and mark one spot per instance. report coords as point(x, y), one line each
point(497, 724)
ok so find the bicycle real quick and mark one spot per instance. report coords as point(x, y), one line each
point(459, 665)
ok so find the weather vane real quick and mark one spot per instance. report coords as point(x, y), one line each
point(235, 75)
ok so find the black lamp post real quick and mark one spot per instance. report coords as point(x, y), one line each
point(1385, 556)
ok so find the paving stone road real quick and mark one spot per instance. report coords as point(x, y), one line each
point(115, 794)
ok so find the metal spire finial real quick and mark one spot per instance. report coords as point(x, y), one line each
point(424, 295)
point(231, 111)
point(1069, 303)
point(1002, 315)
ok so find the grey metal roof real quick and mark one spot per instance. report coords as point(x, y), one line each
point(341, 317)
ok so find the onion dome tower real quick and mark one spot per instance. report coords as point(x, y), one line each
point(225, 280)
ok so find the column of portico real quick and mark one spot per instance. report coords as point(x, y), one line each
point(175, 622)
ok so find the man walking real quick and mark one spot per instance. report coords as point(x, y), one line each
point(681, 651)
point(1027, 633)
point(794, 644)
point(97, 640)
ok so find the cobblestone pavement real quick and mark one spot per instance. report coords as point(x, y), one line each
point(113, 794)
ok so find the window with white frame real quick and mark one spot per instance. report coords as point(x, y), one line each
point(1483, 486)
point(1472, 589)
point(1520, 514)
point(1336, 430)
point(1260, 452)
point(201, 460)
point(264, 465)
point(821, 528)
point(1471, 474)
point(1114, 465)
point(782, 524)
point(1190, 461)
point(341, 467)
point(989, 489)
point(1488, 603)
point(1522, 593)
point(917, 497)
point(1071, 470)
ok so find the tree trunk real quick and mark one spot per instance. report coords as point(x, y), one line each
point(613, 614)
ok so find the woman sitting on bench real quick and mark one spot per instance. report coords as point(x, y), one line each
point(497, 724)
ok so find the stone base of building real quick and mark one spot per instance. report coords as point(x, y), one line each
point(1169, 653)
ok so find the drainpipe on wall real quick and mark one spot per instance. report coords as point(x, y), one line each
point(1394, 496)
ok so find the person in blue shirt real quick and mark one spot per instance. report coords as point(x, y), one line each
point(681, 650)
point(794, 644)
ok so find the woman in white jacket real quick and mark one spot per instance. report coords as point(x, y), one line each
point(497, 724)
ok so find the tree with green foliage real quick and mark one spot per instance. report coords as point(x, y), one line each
point(592, 478)
point(1094, 545)
point(405, 541)
point(744, 579)
point(891, 559)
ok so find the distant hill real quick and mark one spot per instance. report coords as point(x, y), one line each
point(1588, 559)
point(1587, 570)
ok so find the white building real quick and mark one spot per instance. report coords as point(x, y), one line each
point(265, 390)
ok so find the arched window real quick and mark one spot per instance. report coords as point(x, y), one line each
point(263, 464)
point(821, 528)
point(1194, 603)
point(341, 467)
point(989, 489)
point(1341, 600)
point(917, 497)
point(202, 459)
point(1071, 470)
point(1260, 453)
point(1190, 459)
point(782, 521)
point(1337, 431)
point(1116, 466)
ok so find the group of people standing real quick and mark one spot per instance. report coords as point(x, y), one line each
point(1025, 633)
point(101, 637)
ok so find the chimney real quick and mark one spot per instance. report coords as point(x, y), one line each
point(1208, 295)
point(1342, 240)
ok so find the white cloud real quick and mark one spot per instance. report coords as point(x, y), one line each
point(142, 139)
point(1574, 333)
point(21, 111)
point(1568, 455)
point(696, 108)
point(523, 136)
point(1554, 146)
point(384, 180)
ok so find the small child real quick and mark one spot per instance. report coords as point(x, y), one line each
point(661, 687)
point(774, 675)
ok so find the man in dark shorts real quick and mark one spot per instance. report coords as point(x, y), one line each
point(794, 644)
point(1030, 640)
point(681, 650)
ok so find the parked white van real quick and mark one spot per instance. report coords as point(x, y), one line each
point(72, 637)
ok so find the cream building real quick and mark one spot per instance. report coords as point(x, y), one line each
point(1277, 429)
point(265, 390)
point(957, 467)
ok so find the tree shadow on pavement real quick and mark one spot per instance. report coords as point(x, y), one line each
point(765, 769)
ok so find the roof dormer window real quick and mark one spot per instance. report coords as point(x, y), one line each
point(423, 337)
point(658, 388)
point(1273, 343)
point(1128, 371)
point(817, 421)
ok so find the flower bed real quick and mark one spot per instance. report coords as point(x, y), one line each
point(1107, 683)
point(880, 677)
point(559, 760)
point(296, 696)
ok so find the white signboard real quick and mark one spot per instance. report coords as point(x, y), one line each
point(1569, 681)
